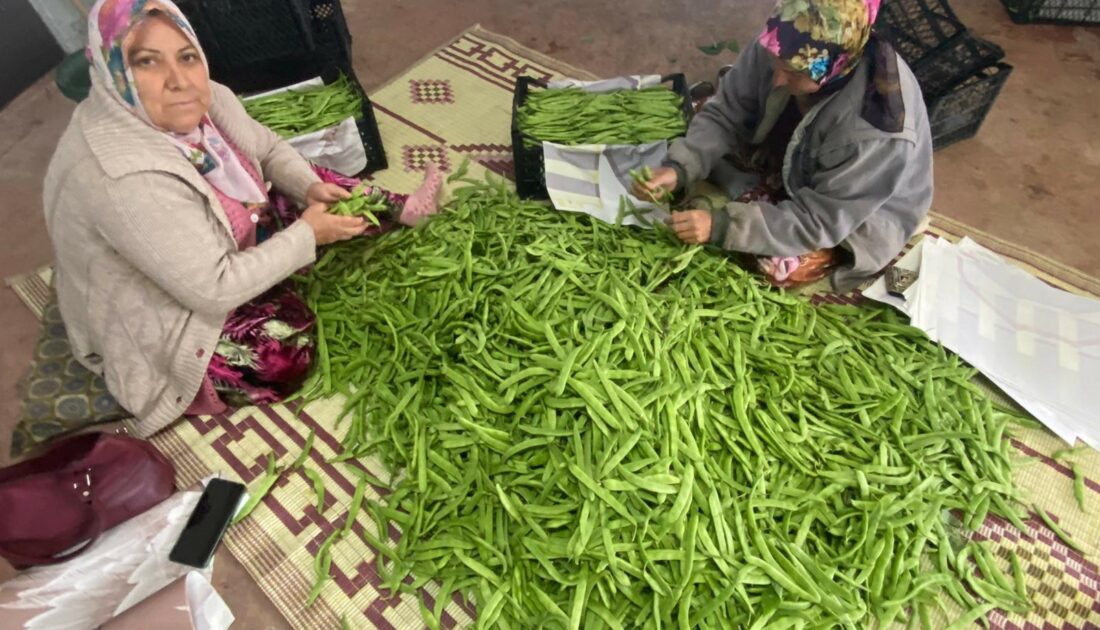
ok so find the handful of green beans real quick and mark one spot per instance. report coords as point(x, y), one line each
point(298, 112)
point(592, 426)
point(642, 176)
point(573, 116)
point(360, 204)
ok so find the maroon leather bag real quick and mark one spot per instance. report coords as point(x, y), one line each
point(54, 506)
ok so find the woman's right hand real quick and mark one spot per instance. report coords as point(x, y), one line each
point(330, 228)
point(664, 181)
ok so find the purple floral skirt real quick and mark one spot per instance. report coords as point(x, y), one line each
point(265, 351)
point(267, 345)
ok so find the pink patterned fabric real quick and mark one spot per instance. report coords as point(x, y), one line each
point(207, 401)
point(242, 218)
point(285, 211)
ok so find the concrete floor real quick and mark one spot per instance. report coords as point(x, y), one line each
point(1030, 176)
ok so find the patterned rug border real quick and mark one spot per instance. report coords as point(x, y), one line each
point(32, 288)
point(501, 40)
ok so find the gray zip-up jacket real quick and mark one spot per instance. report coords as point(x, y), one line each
point(850, 183)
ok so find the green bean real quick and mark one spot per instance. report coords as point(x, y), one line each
point(1078, 487)
point(573, 116)
point(642, 176)
point(318, 487)
point(356, 502)
point(266, 483)
point(365, 205)
point(1018, 578)
point(1063, 453)
point(1058, 531)
point(974, 614)
point(301, 459)
point(322, 564)
point(298, 112)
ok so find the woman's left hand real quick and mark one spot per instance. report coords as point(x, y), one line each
point(692, 226)
point(327, 194)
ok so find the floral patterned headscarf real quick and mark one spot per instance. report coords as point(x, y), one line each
point(822, 38)
point(827, 40)
point(111, 24)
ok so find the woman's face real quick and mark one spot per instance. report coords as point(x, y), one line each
point(797, 83)
point(169, 74)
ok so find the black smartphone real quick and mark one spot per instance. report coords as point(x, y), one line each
point(207, 524)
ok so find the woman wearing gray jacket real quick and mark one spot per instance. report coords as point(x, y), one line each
point(831, 125)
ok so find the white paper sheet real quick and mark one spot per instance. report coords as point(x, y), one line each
point(1039, 344)
point(631, 82)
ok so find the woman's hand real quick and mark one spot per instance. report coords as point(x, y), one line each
point(330, 228)
point(692, 226)
point(327, 194)
point(664, 181)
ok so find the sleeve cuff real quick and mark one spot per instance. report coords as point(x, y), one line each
point(300, 184)
point(681, 174)
point(719, 225)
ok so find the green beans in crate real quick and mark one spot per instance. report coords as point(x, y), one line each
point(573, 116)
point(298, 112)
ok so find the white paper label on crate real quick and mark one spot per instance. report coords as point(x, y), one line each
point(339, 148)
point(592, 178)
point(632, 82)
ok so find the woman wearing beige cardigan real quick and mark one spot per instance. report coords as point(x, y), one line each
point(152, 201)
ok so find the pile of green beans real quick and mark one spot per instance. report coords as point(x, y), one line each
point(573, 116)
point(298, 112)
point(594, 426)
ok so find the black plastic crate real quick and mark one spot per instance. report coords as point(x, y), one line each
point(529, 163)
point(316, 38)
point(366, 122)
point(936, 45)
point(331, 37)
point(252, 31)
point(1054, 11)
point(267, 75)
point(958, 114)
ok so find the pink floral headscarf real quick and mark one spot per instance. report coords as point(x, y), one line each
point(110, 25)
